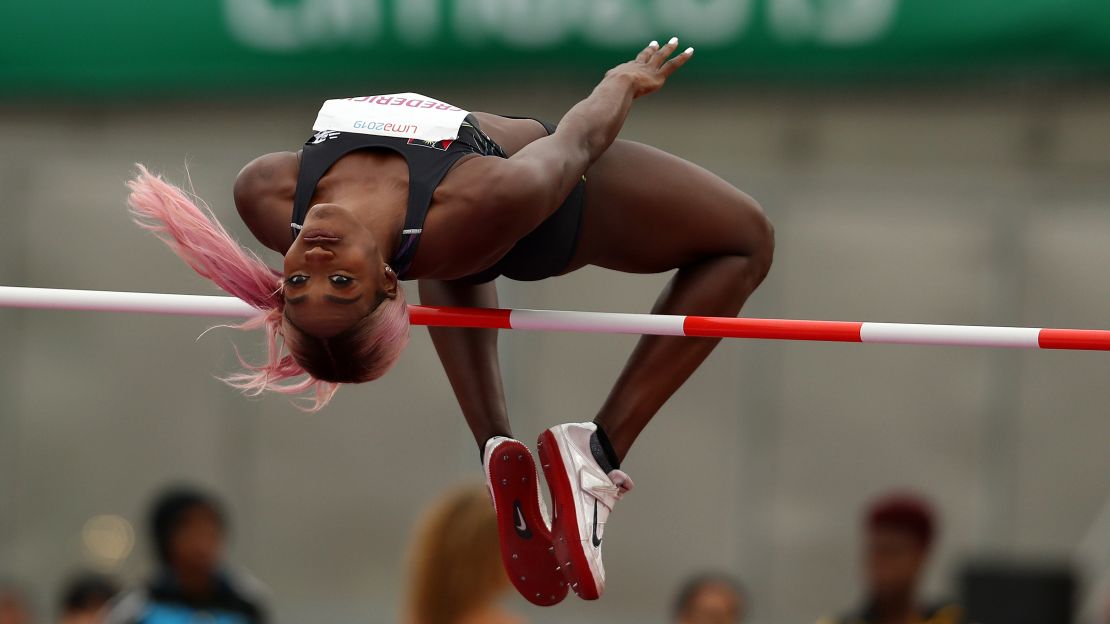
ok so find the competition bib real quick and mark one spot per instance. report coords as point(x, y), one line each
point(403, 115)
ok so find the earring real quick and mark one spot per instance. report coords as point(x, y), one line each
point(389, 268)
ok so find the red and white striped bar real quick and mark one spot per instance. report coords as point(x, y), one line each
point(595, 322)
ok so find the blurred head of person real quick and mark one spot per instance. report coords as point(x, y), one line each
point(710, 598)
point(899, 531)
point(335, 314)
point(15, 606)
point(455, 571)
point(188, 527)
point(85, 598)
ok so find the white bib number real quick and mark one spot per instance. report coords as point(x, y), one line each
point(404, 115)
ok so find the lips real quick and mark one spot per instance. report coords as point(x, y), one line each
point(316, 235)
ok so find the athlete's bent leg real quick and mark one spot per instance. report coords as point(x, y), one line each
point(648, 211)
point(659, 365)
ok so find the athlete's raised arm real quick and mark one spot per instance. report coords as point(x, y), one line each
point(531, 185)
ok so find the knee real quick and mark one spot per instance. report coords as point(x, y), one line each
point(741, 274)
point(758, 239)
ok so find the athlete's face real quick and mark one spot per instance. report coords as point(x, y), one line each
point(334, 273)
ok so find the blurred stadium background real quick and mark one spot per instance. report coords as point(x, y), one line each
point(923, 161)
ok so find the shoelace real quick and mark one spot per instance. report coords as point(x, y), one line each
point(621, 479)
point(609, 493)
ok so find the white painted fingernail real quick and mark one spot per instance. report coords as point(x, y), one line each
point(689, 51)
point(654, 44)
point(673, 41)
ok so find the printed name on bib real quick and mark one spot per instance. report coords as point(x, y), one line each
point(403, 115)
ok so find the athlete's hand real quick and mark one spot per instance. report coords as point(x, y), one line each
point(651, 67)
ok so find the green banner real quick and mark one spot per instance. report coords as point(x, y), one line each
point(193, 46)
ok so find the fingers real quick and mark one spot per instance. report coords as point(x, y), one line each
point(646, 54)
point(662, 54)
point(672, 65)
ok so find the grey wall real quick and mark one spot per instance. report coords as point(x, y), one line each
point(941, 207)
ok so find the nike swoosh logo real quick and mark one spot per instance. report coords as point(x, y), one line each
point(521, 526)
point(596, 539)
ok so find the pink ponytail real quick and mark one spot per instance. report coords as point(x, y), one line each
point(198, 238)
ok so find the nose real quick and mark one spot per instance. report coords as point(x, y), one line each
point(318, 254)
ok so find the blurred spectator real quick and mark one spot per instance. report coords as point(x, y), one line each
point(15, 607)
point(710, 599)
point(899, 530)
point(85, 597)
point(189, 529)
point(455, 574)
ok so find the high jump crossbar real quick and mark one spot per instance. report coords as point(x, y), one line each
point(593, 322)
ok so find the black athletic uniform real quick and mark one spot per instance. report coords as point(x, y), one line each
point(544, 252)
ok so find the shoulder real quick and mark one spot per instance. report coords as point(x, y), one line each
point(477, 185)
point(266, 174)
point(494, 180)
point(247, 587)
point(263, 194)
point(127, 608)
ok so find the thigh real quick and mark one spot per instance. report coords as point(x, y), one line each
point(647, 211)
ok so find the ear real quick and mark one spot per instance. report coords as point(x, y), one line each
point(390, 282)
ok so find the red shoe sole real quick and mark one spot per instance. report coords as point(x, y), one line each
point(564, 530)
point(527, 555)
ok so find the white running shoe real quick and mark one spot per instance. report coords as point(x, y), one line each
point(584, 490)
point(522, 524)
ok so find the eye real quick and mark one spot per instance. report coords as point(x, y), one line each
point(296, 280)
point(340, 280)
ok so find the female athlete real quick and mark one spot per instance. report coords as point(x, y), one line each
point(406, 187)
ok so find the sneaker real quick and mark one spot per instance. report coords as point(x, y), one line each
point(584, 489)
point(526, 548)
